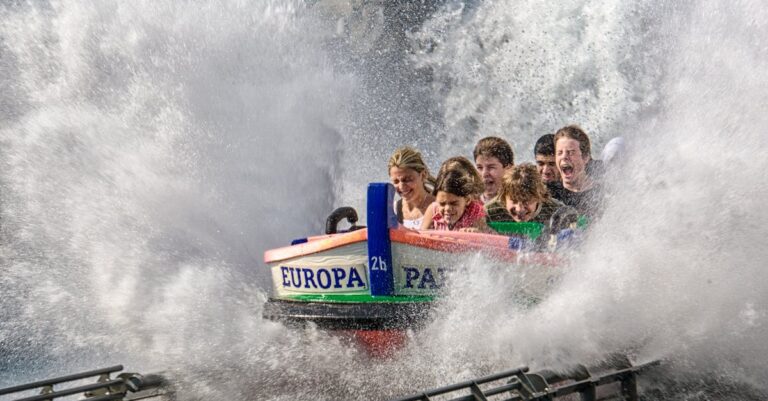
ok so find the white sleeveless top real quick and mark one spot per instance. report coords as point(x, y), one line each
point(413, 224)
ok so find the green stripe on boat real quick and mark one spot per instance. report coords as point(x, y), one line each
point(358, 298)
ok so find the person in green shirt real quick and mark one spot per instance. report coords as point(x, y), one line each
point(523, 197)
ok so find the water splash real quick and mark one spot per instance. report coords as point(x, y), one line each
point(673, 269)
point(524, 70)
point(146, 147)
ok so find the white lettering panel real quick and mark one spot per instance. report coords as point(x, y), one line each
point(292, 278)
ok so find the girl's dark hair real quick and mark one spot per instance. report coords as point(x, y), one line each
point(464, 167)
point(455, 182)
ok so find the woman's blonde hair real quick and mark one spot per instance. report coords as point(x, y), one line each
point(522, 183)
point(407, 157)
point(467, 168)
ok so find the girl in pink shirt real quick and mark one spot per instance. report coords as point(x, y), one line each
point(455, 206)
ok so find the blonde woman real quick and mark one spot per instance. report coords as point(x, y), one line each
point(410, 176)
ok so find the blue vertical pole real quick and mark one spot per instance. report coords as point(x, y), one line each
point(381, 217)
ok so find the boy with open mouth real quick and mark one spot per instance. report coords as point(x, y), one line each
point(575, 188)
point(493, 157)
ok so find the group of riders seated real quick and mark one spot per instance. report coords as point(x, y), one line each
point(561, 191)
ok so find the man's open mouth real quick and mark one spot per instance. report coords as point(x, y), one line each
point(566, 169)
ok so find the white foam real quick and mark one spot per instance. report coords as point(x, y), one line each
point(146, 148)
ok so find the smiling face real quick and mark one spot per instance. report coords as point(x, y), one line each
point(521, 210)
point(451, 206)
point(547, 168)
point(571, 163)
point(408, 183)
point(491, 170)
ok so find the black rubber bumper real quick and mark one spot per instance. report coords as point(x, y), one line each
point(349, 316)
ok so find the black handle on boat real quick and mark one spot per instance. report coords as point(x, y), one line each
point(344, 212)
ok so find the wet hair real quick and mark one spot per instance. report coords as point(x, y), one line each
point(575, 132)
point(462, 164)
point(522, 183)
point(493, 146)
point(455, 182)
point(407, 157)
point(545, 145)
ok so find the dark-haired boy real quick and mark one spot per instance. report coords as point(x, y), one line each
point(544, 151)
point(493, 157)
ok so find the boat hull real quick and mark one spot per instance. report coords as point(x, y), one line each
point(375, 315)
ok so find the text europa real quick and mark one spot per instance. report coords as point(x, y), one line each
point(321, 278)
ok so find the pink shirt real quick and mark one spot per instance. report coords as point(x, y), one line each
point(472, 213)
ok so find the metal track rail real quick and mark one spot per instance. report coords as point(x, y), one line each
point(519, 385)
point(106, 388)
point(62, 379)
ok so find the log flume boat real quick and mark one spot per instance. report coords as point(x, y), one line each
point(378, 281)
